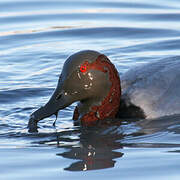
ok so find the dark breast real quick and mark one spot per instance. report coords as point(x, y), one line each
point(130, 111)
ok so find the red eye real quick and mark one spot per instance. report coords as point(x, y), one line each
point(83, 67)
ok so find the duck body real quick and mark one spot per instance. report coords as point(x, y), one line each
point(154, 87)
point(90, 78)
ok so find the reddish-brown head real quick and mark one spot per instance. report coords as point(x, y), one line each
point(109, 105)
point(89, 78)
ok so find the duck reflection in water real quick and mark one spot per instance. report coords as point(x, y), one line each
point(94, 152)
point(91, 147)
point(98, 147)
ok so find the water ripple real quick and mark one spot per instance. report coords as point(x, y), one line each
point(36, 37)
point(16, 95)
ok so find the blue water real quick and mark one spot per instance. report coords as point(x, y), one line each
point(36, 37)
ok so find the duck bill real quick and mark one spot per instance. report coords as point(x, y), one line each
point(59, 100)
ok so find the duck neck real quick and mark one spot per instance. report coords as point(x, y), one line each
point(91, 111)
point(85, 107)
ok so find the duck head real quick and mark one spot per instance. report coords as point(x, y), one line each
point(89, 78)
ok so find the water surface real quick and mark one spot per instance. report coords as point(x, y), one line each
point(36, 37)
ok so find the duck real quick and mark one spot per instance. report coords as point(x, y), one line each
point(91, 79)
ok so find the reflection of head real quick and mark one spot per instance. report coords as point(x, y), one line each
point(91, 160)
point(95, 151)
